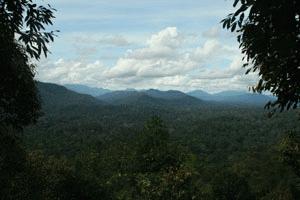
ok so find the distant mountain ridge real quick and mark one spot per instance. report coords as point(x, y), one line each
point(83, 89)
point(200, 94)
point(233, 97)
point(170, 94)
point(150, 97)
point(53, 95)
point(80, 94)
point(57, 96)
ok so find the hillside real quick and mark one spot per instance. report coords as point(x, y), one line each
point(170, 94)
point(150, 98)
point(83, 89)
point(53, 95)
point(200, 94)
point(250, 99)
point(233, 97)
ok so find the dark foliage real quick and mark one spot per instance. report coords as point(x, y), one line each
point(23, 35)
point(290, 150)
point(19, 102)
point(268, 33)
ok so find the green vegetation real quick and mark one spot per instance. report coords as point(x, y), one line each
point(23, 36)
point(97, 151)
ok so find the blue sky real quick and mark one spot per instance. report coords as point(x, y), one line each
point(142, 44)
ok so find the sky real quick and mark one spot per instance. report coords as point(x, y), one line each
point(142, 44)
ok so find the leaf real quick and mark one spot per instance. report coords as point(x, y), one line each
point(240, 10)
point(241, 19)
point(235, 3)
point(233, 27)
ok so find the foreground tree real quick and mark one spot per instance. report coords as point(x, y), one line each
point(269, 36)
point(12, 162)
point(23, 36)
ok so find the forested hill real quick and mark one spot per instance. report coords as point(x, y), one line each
point(53, 95)
point(57, 96)
point(83, 89)
point(150, 98)
point(233, 97)
point(157, 96)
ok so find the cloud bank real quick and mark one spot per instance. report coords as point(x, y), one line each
point(168, 59)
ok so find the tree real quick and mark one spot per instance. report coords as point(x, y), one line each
point(268, 33)
point(12, 162)
point(153, 146)
point(289, 148)
point(226, 186)
point(23, 36)
point(164, 170)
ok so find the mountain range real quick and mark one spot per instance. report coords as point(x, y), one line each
point(83, 89)
point(150, 97)
point(233, 97)
point(53, 95)
point(171, 97)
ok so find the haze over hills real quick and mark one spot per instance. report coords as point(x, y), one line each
point(83, 89)
point(200, 94)
point(54, 95)
point(132, 96)
point(150, 97)
point(170, 94)
point(233, 97)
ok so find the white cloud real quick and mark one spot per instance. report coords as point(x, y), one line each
point(165, 62)
point(63, 71)
point(168, 37)
point(208, 50)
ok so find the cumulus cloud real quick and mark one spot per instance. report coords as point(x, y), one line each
point(168, 37)
point(63, 71)
point(164, 62)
